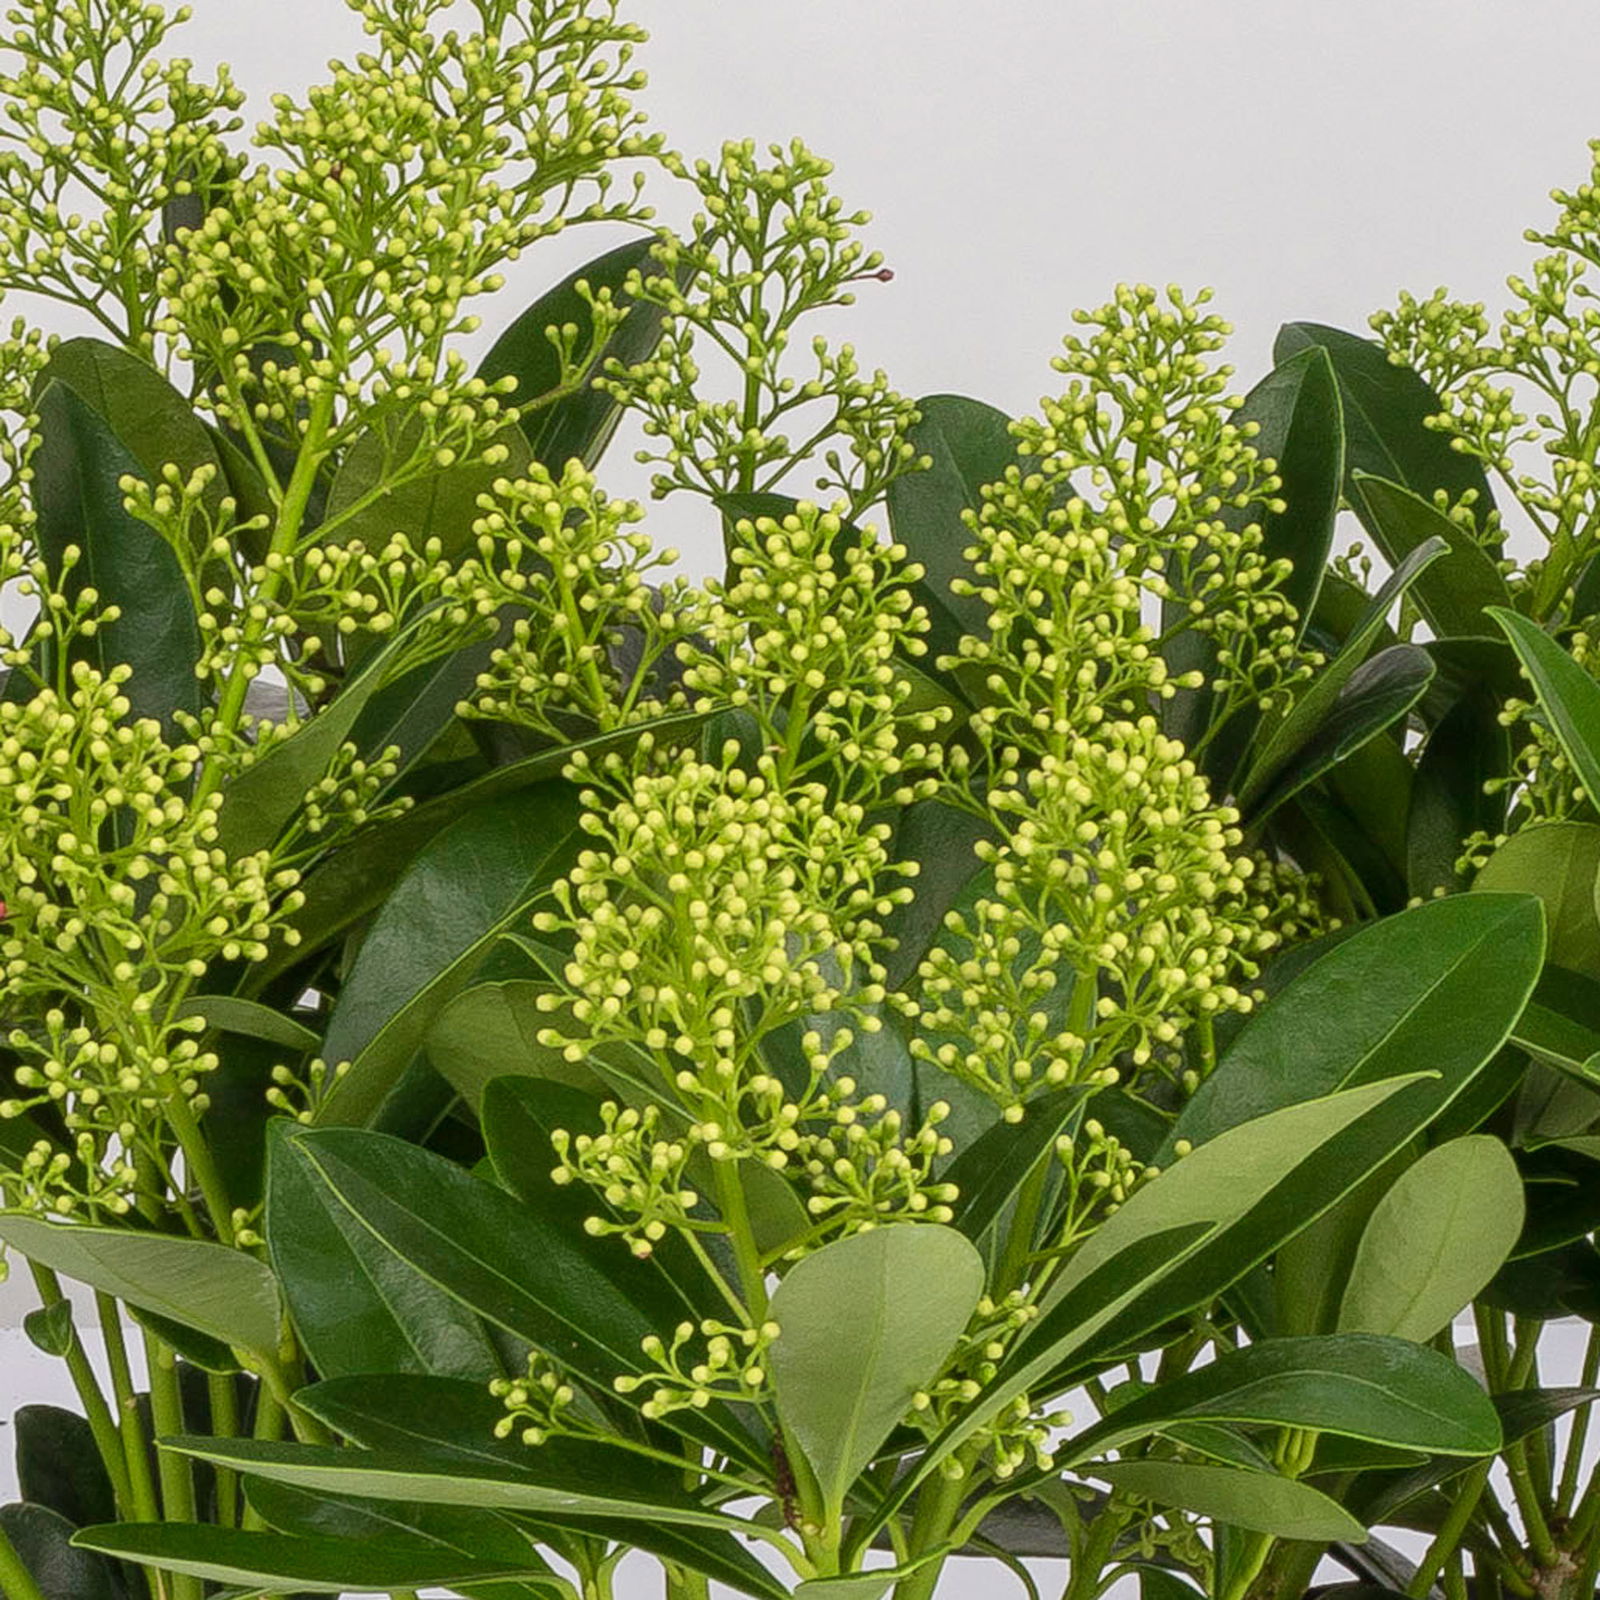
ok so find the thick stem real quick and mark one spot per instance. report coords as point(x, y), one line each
point(938, 1506)
point(736, 1217)
point(135, 1452)
point(1448, 1539)
point(176, 1472)
point(225, 1425)
point(101, 1422)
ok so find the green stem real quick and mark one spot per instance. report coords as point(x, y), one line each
point(90, 1395)
point(1024, 1220)
point(16, 1582)
point(1257, 1547)
point(225, 1425)
point(1448, 1539)
point(202, 1166)
point(177, 1472)
point(736, 1217)
point(1572, 1469)
point(682, 1584)
point(938, 1506)
point(135, 1452)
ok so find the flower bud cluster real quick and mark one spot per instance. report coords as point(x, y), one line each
point(118, 901)
point(770, 247)
point(1101, 1172)
point(714, 1361)
point(805, 636)
point(95, 119)
point(591, 638)
point(542, 1403)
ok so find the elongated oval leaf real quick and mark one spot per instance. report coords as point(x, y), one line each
point(358, 1307)
point(464, 889)
point(1569, 697)
point(1377, 695)
point(1560, 863)
point(1385, 412)
point(221, 1292)
point(310, 1564)
point(252, 1020)
point(897, 1299)
point(970, 444)
point(1361, 1386)
point(44, 1541)
point(1441, 984)
point(1260, 1501)
point(556, 1479)
point(491, 1030)
point(1436, 1238)
point(1280, 742)
point(76, 470)
point(580, 420)
point(1456, 592)
point(1466, 750)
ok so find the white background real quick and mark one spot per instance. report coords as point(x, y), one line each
point(1307, 160)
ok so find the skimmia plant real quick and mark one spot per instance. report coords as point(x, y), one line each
point(956, 1034)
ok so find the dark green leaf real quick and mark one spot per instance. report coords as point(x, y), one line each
point(581, 421)
point(1442, 983)
point(42, 1538)
point(940, 840)
point(1467, 748)
point(1455, 593)
point(1280, 742)
point(76, 470)
point(358, 1307)
point(465, 888)
point(581, 1300)
point(312, 1565)
point(151, 418)
point(1569, 697)
point(1385, 407)
point(971, 446)
point(1377, 695)
point(491, 1030)
point(50, 1328)
point(989, 1172)
point(218, 1291)
point(58, 1465)
point(252, 1020)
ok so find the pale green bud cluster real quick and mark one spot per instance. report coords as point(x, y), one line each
point(770, 247)
point(1101, 1172)
point(542, 1403)
point(592, 638)
point(714, 1361)
point(119, 897)
point(806, 635)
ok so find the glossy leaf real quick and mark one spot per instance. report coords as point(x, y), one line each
point(1280, 743)
point(1560, 863)
point(1467, 748)
point(44, 1541)
point(461, 892)
point(971, 445)
point(1569, 697)
point(579, 422)
point(1455, 594)
point(554, 1479)
point(221, 1292)
point(58, 1464)
point(583, 1300)
point(252, 1020)
point(940, 840)
point(1364, 1386)
point(261, 800)
point(76, 470)
point(359, 875)
point(1259, 1501)
point(1442, 984)
point(1435, 1239)
point(310, 1565)
point(989, 1172)
point(1560, 1025)
point(443, 1419)
point(1377, 695)
point(434, 503)
point(1385, 411)
point(896, 1298)
point(357, 1306)
point(491, 1030)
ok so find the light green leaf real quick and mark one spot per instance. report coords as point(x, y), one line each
point(897, 1299)
point(1436, 1238)
point(252, 1020)
point(490, 1031)
point(1259, 1501)
point(221, 1292)
point(1560, 863)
